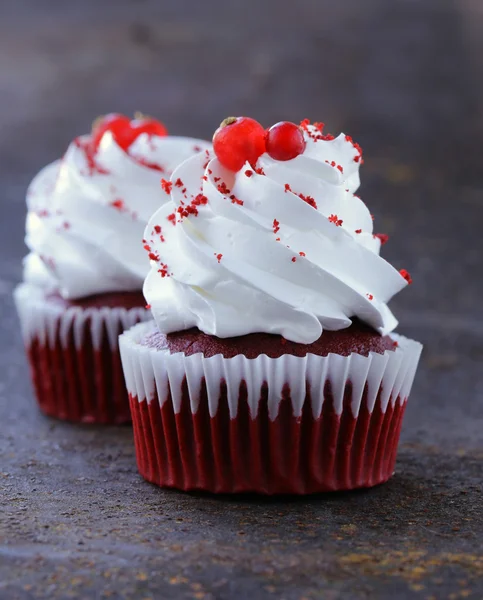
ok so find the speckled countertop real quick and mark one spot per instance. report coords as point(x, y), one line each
point(404, 79)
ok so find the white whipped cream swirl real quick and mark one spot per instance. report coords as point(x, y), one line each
point(260, 257)
point(87, 213)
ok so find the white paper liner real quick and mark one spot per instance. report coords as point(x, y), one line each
point(45, 321)
point(151, 373)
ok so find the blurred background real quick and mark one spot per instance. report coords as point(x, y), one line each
point(404, 78)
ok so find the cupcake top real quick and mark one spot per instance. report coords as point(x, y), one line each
point(268, 236)
point(87, 211)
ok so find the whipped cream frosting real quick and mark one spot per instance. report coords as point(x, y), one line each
point(286, 248)
point(87, 213)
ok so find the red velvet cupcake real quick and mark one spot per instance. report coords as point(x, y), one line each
point(271, 366)
point(83, 277)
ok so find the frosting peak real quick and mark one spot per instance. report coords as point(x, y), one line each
point(87, 212)
point(281, 247)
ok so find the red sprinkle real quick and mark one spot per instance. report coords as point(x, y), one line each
point(383, 237)
point(276, 226)
point(287, 187)
point(199, 200)
point(147, 247)
point(318, 134)
point(118, 204)
point(218, 257)
point(406, 276)
point(309, 200)
point(370, 296)
point(148, 306)
point(294, 259)
point(163, 270)
point(178, 183)
point(235, 200)
point(358, 230)
point(153, 256)
point(302, 253)
point(248, 173)
point(166, 185)
point(222, 188)
point(259, 170)
point(395, 344)
point(335, 219)
point(172, 218)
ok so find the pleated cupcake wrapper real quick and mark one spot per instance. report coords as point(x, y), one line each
point(74, 357)
point(283, 425)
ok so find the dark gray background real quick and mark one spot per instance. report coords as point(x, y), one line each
point(405, 79)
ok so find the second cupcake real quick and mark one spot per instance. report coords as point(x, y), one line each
point(83, 276)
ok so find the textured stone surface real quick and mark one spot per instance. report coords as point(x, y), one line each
point(404, 78)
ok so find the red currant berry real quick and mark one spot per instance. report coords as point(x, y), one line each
point(285, 141)
point(238, 140)
point(144, 124)
point(118, 125)
point(125, 131)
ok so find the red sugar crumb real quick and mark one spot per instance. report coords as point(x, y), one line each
point(150, 165)
point(92, 165)
point(335, 219)
point(172, 218)
point(406, 276)
point(178, 183)
point(276, 226)
point(166, 185)
point(199, 200)
point(383, 237)
point(287, 187)
point(318, 134)
point(118, 205)
point(395, 344)
point(309, 200)
point(340, 168)
point(358, 230)
point(157, 229)
point(147, 247)
point(302, 253)
point(148, 306)
point(163, 270)
point(216, 179)
point(248, 173)
point(153, 256)
point(218, 257)
point(277, 239)
point(235, 200)
point(259, 170)
point(210, 172)
point(294, 259)
point(183, 191)
point(222, 188)
point(205, 178)
point(370, 296)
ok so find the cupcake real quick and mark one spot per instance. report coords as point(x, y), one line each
point(271, 365)
point(83, 277)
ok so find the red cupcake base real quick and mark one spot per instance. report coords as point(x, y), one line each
point(80, 385)
point(73, 353)
point(287, 455)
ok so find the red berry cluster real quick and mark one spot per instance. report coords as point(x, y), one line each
point(240, 139)
point(124, 130)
